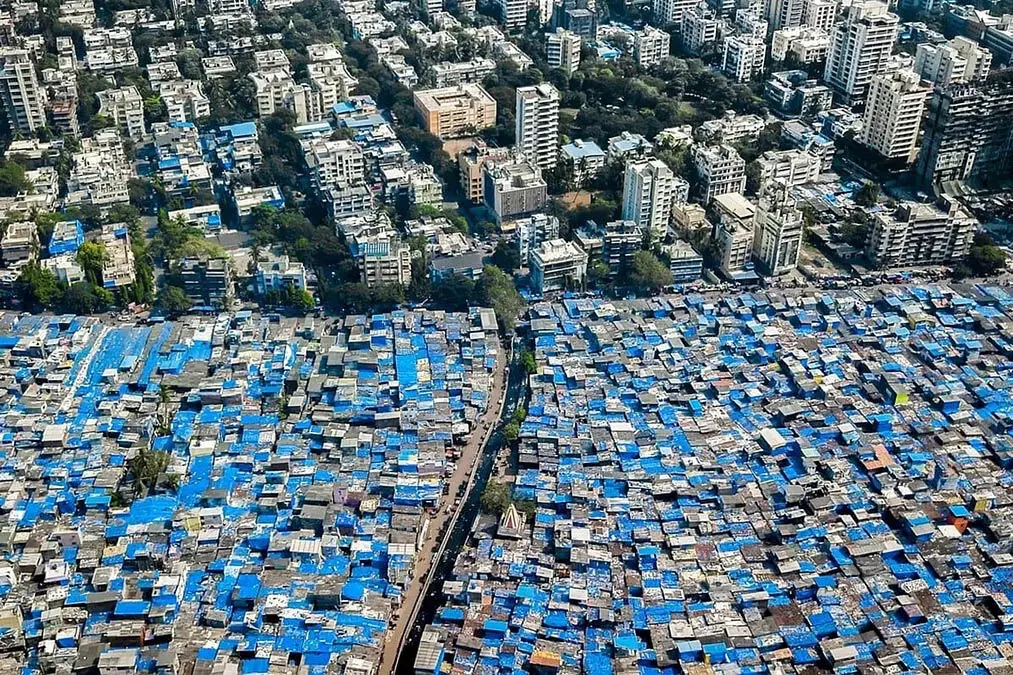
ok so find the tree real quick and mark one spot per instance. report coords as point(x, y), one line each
point(40, 289)
point(985, 258)
point(867, 195)
point(13, 180)
point(495, 498)
point(506, 256)
point(497, 290)
point(528, 362)
point(92, 257)
point(173, 300)
point(146, 466)
point(511, 431)
point(84, 298)
point(648, 273)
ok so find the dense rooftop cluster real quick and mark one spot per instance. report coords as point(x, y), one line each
point(750, 484)
point(298, 465)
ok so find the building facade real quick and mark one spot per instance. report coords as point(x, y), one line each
point(893, 114)
point(860, 46)
point(777, 236)
point(456, 111)
point(537, 124)
point(921, 234)
point(648, 188)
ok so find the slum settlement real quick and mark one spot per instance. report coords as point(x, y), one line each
point(224, 495)
point(762, 483)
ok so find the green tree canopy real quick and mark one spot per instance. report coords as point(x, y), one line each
point(495, 289)
point(91, 257)
point(648, 273)
point(13, 180)
point(173, 300)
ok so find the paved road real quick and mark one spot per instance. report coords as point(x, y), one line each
point(425, 558)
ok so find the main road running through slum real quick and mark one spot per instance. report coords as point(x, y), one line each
point(440, 525)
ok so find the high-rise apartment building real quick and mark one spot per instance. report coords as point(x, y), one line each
point(860, 47)
point(648, 188)
point(23, 99)
point(968, 135)
point(562, 50)
point(893, 114)
point(777, 236)
point(537, 119)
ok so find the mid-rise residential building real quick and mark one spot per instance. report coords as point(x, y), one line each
point(109, 49)
point(100, 171)
point(820, 14)
point(893, 114)
point(562, 50)
point(245, 199)
point(333, 162)
point(471, 163)
point(743, 57)
point(513, 13)
point(794, 167)
point(620, 242)
point(67, 237)
point(125, 108)
point(777, 235)
point(537, 124)
point(921, 234)
point(860, 47)
point(751, 22)
point(736, 220)
point(184, 100)
point(671, 11)
point(731, 128)
point(629, 146)
point(23, 100)
point(530, 232)
point(20, 244)
point(721, 170)
point(207, 218)
point(558, 264)
point(65, 268)
point(791, 93)
point(585, 159)
point(277, 273)
point(514, 188)
point(464, 109)
point(685, 263)
point(382, 261)
point(118, 265)
point(648, 188)
point(803, 43)
point(957, 61)
point(650, 46)
point(449, 74)
point(206, 281)
point(700, 29)
point(784, 13)
point(276, 90)
point(968, 135)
